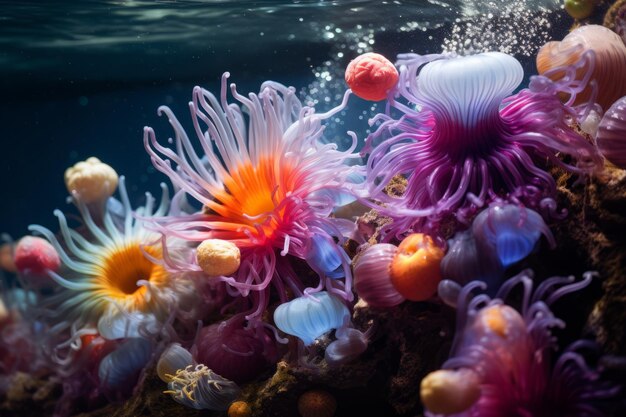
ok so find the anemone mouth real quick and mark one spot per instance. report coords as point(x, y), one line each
point(124, 266)
point(253, 195)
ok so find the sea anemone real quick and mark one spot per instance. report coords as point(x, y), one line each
point(372, 276)
point(267, 183)
point(509, 354)
point(120, 370)
point(607, 71)
point(501, 235)
point(109, 272)
point(349, 345)
point(467, 261)
point(173, 358)
point(512, 231)
point(415, 270)
point(463, 140)
point(33, 257)
point(310, 316)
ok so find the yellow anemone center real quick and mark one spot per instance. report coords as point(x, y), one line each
point(123, 267)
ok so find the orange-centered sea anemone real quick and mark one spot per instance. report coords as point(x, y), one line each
point(268, 184)
point(110, 273)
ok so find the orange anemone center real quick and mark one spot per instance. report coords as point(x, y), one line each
point(251, 195)
point(124, 266)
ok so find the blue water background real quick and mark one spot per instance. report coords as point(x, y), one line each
point(81, 79)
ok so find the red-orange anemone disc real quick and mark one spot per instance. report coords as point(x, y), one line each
point(416, 267)
point(371, 76)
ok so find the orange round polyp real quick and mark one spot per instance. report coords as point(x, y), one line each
point(415, 269)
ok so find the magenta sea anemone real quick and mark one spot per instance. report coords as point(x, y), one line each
point(501, 362)
point(267, 183)
point(462, 139)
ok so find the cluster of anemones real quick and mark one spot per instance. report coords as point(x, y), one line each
point(97, 294)
point(127, 286)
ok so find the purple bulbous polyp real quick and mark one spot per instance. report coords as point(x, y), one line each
point(235, 352)
point(372, 277)
point(611, 136)
point(509, 230)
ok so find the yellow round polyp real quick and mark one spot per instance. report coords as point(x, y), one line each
point(218, 257)
point(450, 391)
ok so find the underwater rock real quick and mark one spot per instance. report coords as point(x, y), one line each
point(616, 11)
point(29, 395)
point(595, 232)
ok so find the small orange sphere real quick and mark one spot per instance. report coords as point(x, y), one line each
point(371, 76)
point(239, 409)
point(416, 268)
point(6, 258)
point(317, 403)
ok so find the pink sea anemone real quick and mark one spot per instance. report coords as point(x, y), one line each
point(267, 183)
point(508, 353)
point(461, 139)
point(611, 135)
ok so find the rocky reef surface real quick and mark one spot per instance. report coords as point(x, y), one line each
point(414, 338)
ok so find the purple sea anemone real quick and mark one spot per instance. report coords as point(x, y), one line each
point(267, 183)
point(199, 387)
point(505, 358)
point(372, 276)
point(462, 139)
point(511, 230)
